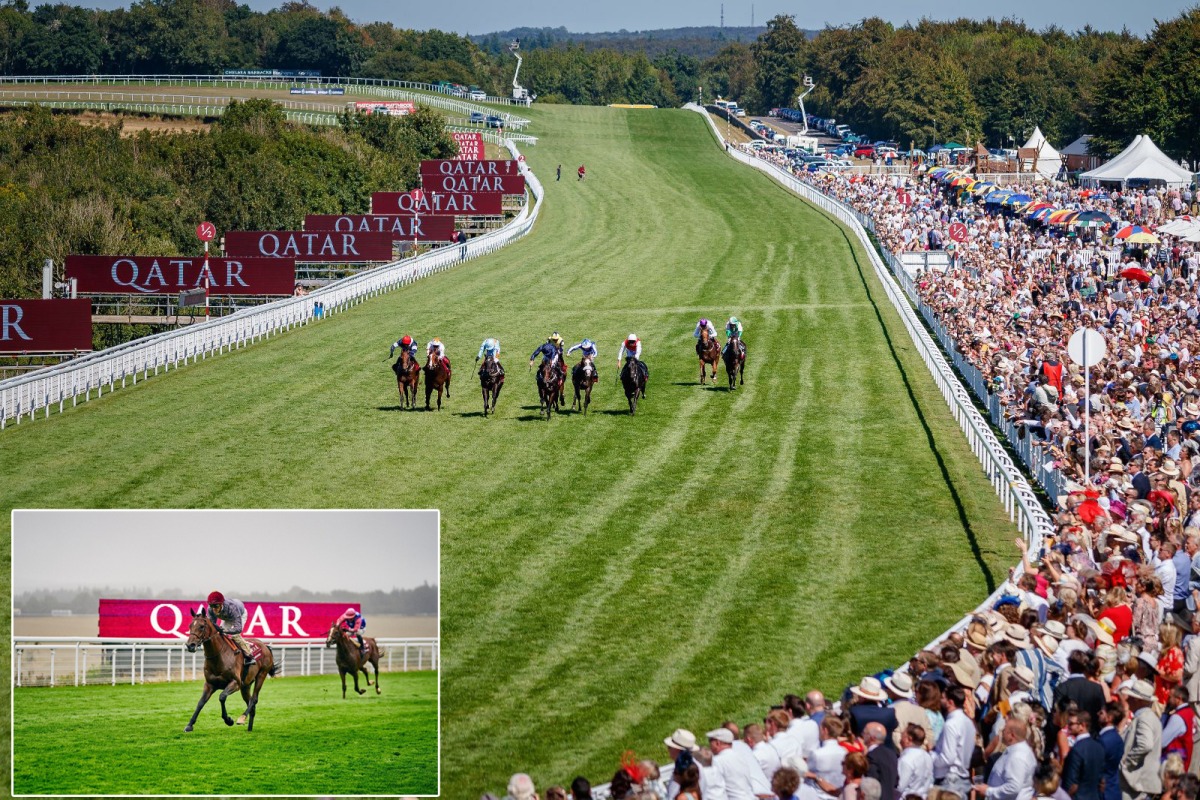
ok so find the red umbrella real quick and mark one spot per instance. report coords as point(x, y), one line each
point(1135, 273)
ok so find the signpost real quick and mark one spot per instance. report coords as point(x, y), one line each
point(958, 232)
point(1087, 349)
point(205, 231)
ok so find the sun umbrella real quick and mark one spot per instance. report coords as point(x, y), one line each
point(1017, 199)
point(982, 187)
point(1061, 217)
point(997, 198)
point(1135, 274)
point(1034, 208)
point(1141, 238)
point(1092, 219)
point(962, 180)
point(1132, 230)
point(1042, 213)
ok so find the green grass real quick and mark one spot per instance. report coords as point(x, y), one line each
point(604, 580)
point(306, 739)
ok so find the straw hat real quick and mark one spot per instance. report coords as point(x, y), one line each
point(1018, 636)
point(899, 684)
point(870, 688)
point(1140, 690)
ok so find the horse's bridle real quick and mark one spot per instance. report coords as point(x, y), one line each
point(191, 646)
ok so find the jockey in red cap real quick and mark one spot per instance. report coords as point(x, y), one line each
point(233, 614)
point(353, 623)
point(405, 342)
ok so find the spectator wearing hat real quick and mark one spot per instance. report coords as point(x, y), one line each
point(739, 771)
point(1084, 767)
point(1139, 771)
point(679, 742)
point(915, 766)
point(899, 688)
point(1011, 777)
point(869, 699)
point(520, 787)
point(955, 746)
point(881, 759)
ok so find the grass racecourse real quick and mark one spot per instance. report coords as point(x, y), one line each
point(604, 579)
point(306, 739)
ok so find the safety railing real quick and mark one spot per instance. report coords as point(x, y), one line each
point(80, 661)
point(104, 371)
point(427, 93)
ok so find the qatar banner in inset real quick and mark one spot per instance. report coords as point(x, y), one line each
point(470, 145)
point(45, 326)
point(311, 247)
point(476, 204)
point(171, 274)
point(473, 184)
point(401, 227)
point(491, 166)
point(169, 619)
point(391, 108)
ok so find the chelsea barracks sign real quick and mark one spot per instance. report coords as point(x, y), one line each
point(169, 619)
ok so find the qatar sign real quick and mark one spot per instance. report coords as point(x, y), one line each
point(171, 274)
point(470, 146)
point(473, 184)
point(390, 108)
point(311, 246)
point(169, 619)
point(45, 326)
point(495, 166)
point(486, 204)
point(401, 227)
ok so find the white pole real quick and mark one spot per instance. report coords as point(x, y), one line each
point(1087, 421)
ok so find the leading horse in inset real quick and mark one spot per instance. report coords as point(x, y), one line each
point(223, 669)
point(583, 378)
point(735, 362)
point(351, 659)
point(709, 351)
point(633, 382)
point(408, 378)
point(491, 381)
point(550, 387)
point(437, 378)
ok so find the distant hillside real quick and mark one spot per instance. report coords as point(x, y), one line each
point(702, 42)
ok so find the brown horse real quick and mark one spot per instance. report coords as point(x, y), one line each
point(437, 378)
point(583, 377)
point(550, 387)
point(408, 378)
point(633, 382)
point(491, 381)
point(352, 660)
point(709, 351)
point(735, 361)
point(223, 669)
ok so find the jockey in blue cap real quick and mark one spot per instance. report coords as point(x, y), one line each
point(587, 349)
point(490, 347)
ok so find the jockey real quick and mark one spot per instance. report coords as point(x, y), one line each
point(490, 347)
point(435, 346)
point(551, 351)
point(587, 349)
point(733, 333)
point(405, 342)
point(632, 348)
point(705, 325)
point(233, 614)
point(353, 623)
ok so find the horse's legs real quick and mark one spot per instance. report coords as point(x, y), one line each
point(343, 674)
point(375, 666)
point(204, 695)
point(429, 393)
point(252, 706)
point(224, 694)
point(485, 400)
point(360, 691)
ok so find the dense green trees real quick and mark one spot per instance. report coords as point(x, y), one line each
point(69, 188)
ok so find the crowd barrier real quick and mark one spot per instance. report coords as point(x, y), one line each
point(426, 93)
point(78, 379)
point(83, 661)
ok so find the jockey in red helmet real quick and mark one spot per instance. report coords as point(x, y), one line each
point(353, 623)
point(232, 613)
point(405, 342)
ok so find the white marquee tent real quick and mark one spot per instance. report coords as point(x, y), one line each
point(1140, 161)
point(1048, 160)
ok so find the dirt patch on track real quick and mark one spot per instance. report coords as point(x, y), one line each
point(131, 125)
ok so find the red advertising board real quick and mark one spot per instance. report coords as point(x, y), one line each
point(474, 184)
point(395, 109)
point(169, 619)
point(45, 326)
point(311, 247)
point(470, 146)
point(402, 227)
point(485, 204)
point(171, 274)
point(491, 166)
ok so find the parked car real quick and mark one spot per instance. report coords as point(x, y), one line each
point(476, 117)
point(494, 121)
point(864, 151)
point(475, 93)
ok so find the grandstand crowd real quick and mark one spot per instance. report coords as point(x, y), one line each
point(1083, 680)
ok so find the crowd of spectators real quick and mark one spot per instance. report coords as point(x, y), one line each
point(1083, 681)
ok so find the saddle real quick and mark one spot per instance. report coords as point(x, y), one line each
point(255, 648)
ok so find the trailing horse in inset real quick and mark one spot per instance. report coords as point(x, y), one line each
point(437, 378)
point(408, 378)
point(491, 381)
point(634, 382)
point(583, 378)
point(735, 361)
point(709, 351)
point(223, 668)
point(350, 659)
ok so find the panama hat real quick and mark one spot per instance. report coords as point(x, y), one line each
point(1169, 469)
point(1018, 636)
point(1121, 534)
point(966, 671)
point(1023, 674)
point(899, 684)
point(870, 689)
point(1103, 630)
point(720, 735)
point(682, 739)
point(1140, 690)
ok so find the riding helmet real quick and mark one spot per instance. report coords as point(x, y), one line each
point(703, 322)
point(350, 612)
point(216, 598)
point(406, 341)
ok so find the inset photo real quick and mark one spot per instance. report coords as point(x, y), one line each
point(205, 652)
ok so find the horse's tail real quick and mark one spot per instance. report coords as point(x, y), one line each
point(274, 664)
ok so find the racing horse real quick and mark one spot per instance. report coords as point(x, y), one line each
point(223, 669)
point(550, 387)
point(583, 378)
point(633, 383)
point(735, 361)
point(491, 381)
point(437, 377)
point(352, 660)
point(709, 351)
point(408, 378)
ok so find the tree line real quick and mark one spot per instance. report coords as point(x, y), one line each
point(417, 601)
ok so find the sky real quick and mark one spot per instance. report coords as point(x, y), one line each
point(198, 551)
point(477, 17)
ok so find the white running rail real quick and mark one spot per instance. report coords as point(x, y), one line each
point(80, 660)
point(80, 378)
